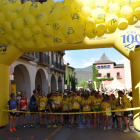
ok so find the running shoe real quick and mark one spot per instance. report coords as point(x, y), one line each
point(98, 126)
point(113, 125)
point(104, 128)
point(44, 125)
point(11, 130)
point(86, 124)
point(14, 129)
point(49, 126)
point(41, 126)
point(126, 130)
point(108, 128)
point(54, 125)
point(93, 126)
point(31, 126)
point(77, 125)
point(25, 126)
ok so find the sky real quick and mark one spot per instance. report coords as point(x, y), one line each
point(85, 58)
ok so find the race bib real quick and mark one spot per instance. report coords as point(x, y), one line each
point(85, 107)
point(97, 103)
point(65, 107)
point(42, 104)
point(53, 105)
point(109, 108)
point(14, 110)
point(56, 101)
point(118, 113)
point(75, 104)
point(69, 103)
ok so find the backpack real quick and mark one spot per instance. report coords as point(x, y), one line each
point(32, 103)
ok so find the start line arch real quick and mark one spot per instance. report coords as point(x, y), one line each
point(126, 42)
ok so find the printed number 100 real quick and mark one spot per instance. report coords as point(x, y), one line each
point(131, 38)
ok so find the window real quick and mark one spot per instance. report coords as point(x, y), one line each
point(98, 67)
point(108, 66)
point(108, 75)
point(100, 75)
point(102, 67)
point(118, 75)
point(105, 67)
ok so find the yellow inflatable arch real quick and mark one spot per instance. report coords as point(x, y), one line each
point(68, 25)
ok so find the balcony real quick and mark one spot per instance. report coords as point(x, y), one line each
point(28, 56)
point(58, 67)
point(61, 52)
point(44, 59)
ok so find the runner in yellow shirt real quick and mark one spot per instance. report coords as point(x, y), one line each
point(102, 109)
point(42, 109)
point(76, 102)
point(86, 103)
point(69, 104)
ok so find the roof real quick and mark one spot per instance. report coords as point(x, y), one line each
point(119, 66)
point(104, 59)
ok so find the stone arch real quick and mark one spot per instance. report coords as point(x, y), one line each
point(53, 83)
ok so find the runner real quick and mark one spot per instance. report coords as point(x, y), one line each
point(126, 104)
point(32, 106)
point(51, 107)
point(23, 106)
point(76, 101)
point(58, 107)
point(70, 105)
point(96, 102)
point(42, 109)
point(86, 103)
point(119, 115)
point(12, 105)
point(107, 107)
point(37, 104)
point(102, 109)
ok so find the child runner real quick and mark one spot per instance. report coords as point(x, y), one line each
point(119, 115)
point(12, 105)
point(86, 103)
point(107, 107)
point(42, 109)
point(23, 106)
point(51, 106)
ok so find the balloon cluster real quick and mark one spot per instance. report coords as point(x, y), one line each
point(48, 24)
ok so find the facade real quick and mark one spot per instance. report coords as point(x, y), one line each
point(45, 69)
point(109, 69)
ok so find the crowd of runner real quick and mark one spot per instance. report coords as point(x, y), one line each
point(73, 102)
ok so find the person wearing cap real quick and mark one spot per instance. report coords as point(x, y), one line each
point(42, 109)
point(12, 105)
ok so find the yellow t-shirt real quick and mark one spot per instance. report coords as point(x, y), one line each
point(107, 106)
point(57, 101)
point(90, 97)
point(97, 102)
point(69, 102)
point(126, 100)
point(102, 105)
point(86, 102)
point(65, 105)
point(43, 102)
point(113, 103)
point(75, 104)
point(119, 113)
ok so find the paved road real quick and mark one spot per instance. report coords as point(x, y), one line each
point(65, 133)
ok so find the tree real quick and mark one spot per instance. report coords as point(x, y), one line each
point(83, 84)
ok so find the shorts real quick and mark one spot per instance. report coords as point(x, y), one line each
point(108, 114)
point(21, 113)
point(97, 109)
point(43, 111)
point(126, 113)
point(74, 111)
point(59, 110)
point(33, 110)
point(119, 116)
point(12, 114)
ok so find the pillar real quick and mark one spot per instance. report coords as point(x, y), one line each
point(135, 73)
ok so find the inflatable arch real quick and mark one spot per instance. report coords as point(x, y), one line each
point(68, 25)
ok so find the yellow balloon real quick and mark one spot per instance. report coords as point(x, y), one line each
point(90, 24)
point(36, 29)
point(66, 11)
point(10, 39)
point(114, 8)
point(24, 11)
point(55, 14)
point(91, 33)
point(51, 2)
point(89, 3)
point(68, 30)
point(46, 7)
point(59, 39)
point(120, 2)
point(47, 31)
point(2, 31)
point(18, 24)
point(38, 39)
point(57, 25)
point(58, 5)
point(80, 32)
point(42, 19)
point(6, 7)
point(28, 43)
point(132, 20)
point(27, 33)
point(99, 15)
point(8, 27)
point(17, 10)
point(16, 3)
point(77, 4)
point(49, 41)
point(100, 34)
point(17, 35)
point(35, 8)
point(10, 16)
point(101, 27)
point(3, 42)
point(42, 45)
point(126, 11)
point(29, 20)
point(101, 4)
point(67, 2)
point(111, 29)
point(85, 12)
point(137, 12)
point(19, 45)
point(2, 18)
point(70, 39)
point(27, 4)
point(123, 24)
